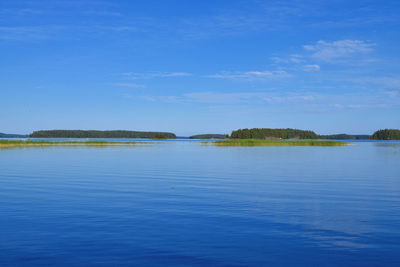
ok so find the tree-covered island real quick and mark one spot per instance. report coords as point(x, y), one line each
point(386, 134)
point(269, 142)
point(346, 136)
point(4, 135)
point(275, 137)
point(100, 134)
point(209, 136)
point(271, 134)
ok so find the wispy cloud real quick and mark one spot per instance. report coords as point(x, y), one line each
point(245, 97)
point(311, 58)
point(120, 28)
point(19, 11)
point(392, 83)
point(150, 75)
point(392, 93)
point(228, 98)
point(295, 58)
point(250, 75)
point(157, 98)
point(331, 51)
point(132, 85)
point(307, 101)
point(102, 13)
point(242, 17)
point(23, 33)
point(224, 24)
point(313, 67)
point(49, 32)
point(360, 106)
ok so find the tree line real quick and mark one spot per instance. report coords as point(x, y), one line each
point(3, 135)
point(209, 136)
point(100, 134)
point(267, 133)
point(386, 134)
point(255, 133)
point(288, 133)
point(346, 136)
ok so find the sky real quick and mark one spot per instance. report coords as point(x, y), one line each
point(193, 67)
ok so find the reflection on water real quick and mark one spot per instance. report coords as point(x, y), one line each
point(393, 145)
point(181, 203)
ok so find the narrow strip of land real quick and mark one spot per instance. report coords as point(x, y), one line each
point(256, 142)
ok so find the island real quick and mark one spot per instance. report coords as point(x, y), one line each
point(260, 142)
point(346, 136)
point(273, 134)
point(4, 135)
point(386, 134)
point(274, 137)
point(100, 134)
point(209, 136)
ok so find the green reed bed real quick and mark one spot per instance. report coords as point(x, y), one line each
point(257, 142)
point(30, 143)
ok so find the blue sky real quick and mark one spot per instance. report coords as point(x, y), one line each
point(199, 66)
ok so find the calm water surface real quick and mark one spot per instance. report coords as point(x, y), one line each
point(187, 204)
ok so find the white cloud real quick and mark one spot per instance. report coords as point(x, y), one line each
point(50, 32)
point(330, 51)
point(311, 67)
point(308, 101)
point(18, 33)
point(228, 98)
point(392, 83)
point(149, 75)
point(102, 13)
point(157, 98)
point(250, 75)
point(388, 82)
point(391, 93)
point(361, 106)
point(246, 97)
point(133, 85)
point(19, 11)
point(174, 74)
point(296, 59)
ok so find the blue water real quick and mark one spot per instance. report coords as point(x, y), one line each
point(187, 204)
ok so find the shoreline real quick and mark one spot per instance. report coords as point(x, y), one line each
point(259, 142)
point(31, 143)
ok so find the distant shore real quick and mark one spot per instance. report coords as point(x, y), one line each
point(34, 143)
point(100, 134)
point(255, 142)
point(253, 133)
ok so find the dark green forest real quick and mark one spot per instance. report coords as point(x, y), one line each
point(346, 136)
point(267, 133)
point(209, 136)
point(100, 134)
point(386, 134)
point(3, 135)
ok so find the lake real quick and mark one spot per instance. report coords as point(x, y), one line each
point(182, 203)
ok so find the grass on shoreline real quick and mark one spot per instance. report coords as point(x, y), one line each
point(30, 143)
point(258, 142)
